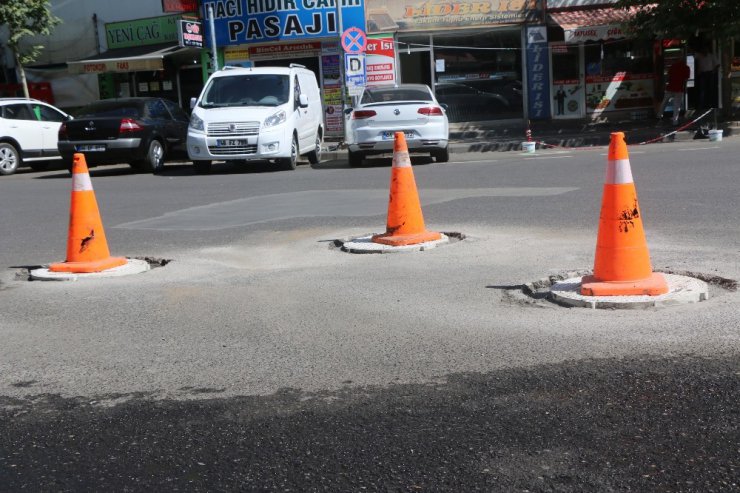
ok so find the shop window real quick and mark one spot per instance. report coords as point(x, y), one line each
point(478, 76)
point(619, 76)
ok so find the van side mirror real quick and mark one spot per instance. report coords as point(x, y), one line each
point(303, 101)
point(192, 102)
point(347, 111)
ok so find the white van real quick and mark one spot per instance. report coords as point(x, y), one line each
point(271, 113)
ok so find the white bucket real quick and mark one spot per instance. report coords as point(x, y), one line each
point(715, 135)
point(529, 147)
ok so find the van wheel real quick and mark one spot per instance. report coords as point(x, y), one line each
point(202, 167)
point(314, 157)
point(289, 163)
point(355, 159)
point(10, 158)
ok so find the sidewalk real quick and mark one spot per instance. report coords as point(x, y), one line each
point(508, 135)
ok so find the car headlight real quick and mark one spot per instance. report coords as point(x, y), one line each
point(275, 119)
point(196, 123)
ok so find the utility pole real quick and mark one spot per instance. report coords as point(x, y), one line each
point(212, 28)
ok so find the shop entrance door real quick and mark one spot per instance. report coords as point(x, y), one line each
point(568, 81)
point(416, 66)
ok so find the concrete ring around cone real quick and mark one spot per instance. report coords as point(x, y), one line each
point(132, 266)
point(681, 290)
point(364, 244)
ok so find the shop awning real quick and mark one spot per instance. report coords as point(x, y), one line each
point(134, 59)
point(591, 24)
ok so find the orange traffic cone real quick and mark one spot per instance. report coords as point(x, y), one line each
point(405, 225)
point(87, 249)
point(622, 263)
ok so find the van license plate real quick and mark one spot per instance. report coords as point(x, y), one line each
point(90, 148)
point(391, 135)
point(231, 142)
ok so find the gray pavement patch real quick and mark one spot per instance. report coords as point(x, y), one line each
point(313, 203)
point(364, 244)
point(682, 290)
point(133, 266)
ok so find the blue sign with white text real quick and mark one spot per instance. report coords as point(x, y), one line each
point(538, 74)
point(258, 21)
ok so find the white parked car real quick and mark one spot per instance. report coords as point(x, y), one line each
point(28, 134)
point(267, 113)
point(408, 108)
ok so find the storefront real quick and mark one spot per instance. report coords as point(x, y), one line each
point(272, 32)
point(148, 57)
point(469, 52)
point(596, 69)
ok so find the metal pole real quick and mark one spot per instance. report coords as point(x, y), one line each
point(340, 30)
point(212, 28)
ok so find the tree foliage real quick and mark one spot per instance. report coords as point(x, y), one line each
point(26, 18)
point(683, 19)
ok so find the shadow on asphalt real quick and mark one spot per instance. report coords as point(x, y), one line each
point(370, 162)
point(633, 424)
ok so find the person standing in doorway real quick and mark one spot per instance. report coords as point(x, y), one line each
point(675, 90)
point(707, 65)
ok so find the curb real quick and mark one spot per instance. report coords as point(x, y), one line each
point(558, 140)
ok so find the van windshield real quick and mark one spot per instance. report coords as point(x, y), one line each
point(247, 90)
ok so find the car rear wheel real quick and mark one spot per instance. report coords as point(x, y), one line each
point(154, 161)
point(314, 157)
point(289, 163)
point(202, 167)
point(441, 155)
point(355, 158)
point(10, 158)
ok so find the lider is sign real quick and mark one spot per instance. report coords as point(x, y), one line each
point(538, 73)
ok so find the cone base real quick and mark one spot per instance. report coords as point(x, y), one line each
point(402, 240)
point(88, 267)
point(654, 285)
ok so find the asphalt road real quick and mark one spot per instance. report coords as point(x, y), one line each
point(261, 357)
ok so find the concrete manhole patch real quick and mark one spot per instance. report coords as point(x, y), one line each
point(681, 290)
point(364, 244)
point(564, 289)
point(134, 265)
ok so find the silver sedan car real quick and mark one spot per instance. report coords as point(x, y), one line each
point(408, 108)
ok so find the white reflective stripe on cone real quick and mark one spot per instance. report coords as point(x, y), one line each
point(401, 159)
point(81, 182)
point(618, 172)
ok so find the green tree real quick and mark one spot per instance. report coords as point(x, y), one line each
point(25, 18)
point(696, 21)
point(683, 19)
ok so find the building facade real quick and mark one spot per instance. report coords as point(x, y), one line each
point(486, 60)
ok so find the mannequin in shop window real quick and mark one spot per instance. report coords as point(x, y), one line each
point(675, 90)
point(560, 99)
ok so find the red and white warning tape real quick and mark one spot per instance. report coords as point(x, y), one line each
point(651, 141)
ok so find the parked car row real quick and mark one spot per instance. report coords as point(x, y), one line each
point(266, 113)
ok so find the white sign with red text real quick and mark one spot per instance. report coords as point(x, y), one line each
point(380, 61)
point(593, 33)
